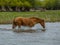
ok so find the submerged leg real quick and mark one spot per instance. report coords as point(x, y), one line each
point(19, 27)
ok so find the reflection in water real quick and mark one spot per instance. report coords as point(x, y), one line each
point(28, 31)
point(50, 37)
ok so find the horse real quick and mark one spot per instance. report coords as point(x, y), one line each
point(31, 21)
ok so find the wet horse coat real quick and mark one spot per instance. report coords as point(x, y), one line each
point(21, 21)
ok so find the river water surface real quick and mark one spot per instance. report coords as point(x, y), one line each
point(50, 37)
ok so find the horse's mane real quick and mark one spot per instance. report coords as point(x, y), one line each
point(35, 18)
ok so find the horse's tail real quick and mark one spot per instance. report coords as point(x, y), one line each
point(13, 23)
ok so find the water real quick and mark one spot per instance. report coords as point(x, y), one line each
point(50, 37)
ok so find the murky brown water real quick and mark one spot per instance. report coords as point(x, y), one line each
point(50, 37)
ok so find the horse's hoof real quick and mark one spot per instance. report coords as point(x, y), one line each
point(43, 30)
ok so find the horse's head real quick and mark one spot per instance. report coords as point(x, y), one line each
point(38, 20)
point(42, 22)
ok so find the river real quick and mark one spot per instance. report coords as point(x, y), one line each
point(48, 37)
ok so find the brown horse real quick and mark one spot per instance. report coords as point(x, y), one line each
point(21, 21)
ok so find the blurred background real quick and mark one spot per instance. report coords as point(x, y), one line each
point(29, 5)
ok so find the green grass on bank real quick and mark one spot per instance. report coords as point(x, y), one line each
point(50, 16)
